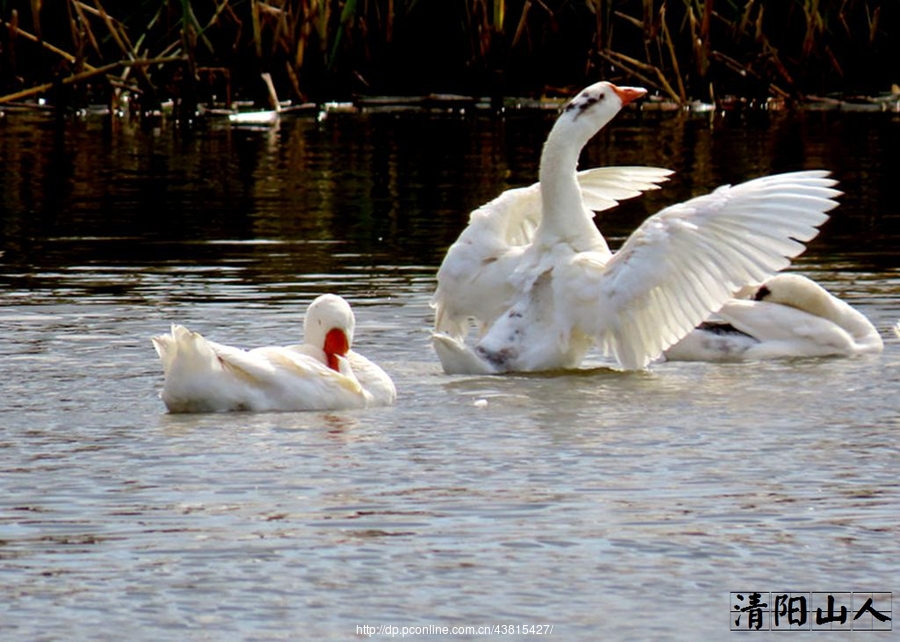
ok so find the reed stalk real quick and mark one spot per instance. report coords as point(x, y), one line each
point(673, 57)
point(83, 26)
point(684, 49)
point(86, 75)
point(15, 30)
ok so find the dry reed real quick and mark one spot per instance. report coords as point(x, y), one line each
point(209, 51)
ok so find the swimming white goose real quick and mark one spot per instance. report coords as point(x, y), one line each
point(323, 373)
point(567, 292)
point(475, 277)
point(789, 316)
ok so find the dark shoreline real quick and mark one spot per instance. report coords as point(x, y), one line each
point(207, 53)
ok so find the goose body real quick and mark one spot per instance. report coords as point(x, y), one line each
point(565, 292)
point(322, 373)
point(789, 316)
point(476, 277)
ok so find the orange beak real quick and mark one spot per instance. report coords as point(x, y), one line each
point(336, 345)
point(628, 94)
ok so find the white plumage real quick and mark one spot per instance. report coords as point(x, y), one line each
point(789, 316)
point(558, 291)
point(323, 373)
point(475, 279)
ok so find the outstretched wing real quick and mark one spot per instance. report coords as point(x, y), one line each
point(474, 278)
point(688, 260)
point(603, 188)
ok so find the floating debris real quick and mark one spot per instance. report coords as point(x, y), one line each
point(269, 117)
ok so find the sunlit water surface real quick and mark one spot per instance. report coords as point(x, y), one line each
point(606, 504)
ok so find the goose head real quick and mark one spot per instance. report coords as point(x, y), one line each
point(329, 325)
point(796, 291)
point(808, 296)
point(593, 107)
point(564, 215)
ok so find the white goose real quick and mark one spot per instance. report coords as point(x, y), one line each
point(321, 374)
point(567, 292)
point(788, 316)
point(475, 280)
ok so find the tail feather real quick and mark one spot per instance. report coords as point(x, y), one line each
point(186, 348)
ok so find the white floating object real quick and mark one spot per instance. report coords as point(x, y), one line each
point(269, 117)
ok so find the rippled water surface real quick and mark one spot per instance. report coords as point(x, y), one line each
point(609, 505)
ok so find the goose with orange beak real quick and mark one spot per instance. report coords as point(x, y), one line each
point(537, 280)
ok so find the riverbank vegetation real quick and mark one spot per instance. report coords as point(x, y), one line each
point(210, 52)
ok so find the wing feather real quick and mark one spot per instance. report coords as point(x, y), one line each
point(474, 278)
point(603, 187)
point(685, 262)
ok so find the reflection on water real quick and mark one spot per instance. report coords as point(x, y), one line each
point(624, 506)
point(396, 187)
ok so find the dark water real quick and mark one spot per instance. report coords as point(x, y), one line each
point(612, 506)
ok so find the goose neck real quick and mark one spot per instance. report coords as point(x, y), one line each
point(854, 322)
point(561, 198)
point(844, 316)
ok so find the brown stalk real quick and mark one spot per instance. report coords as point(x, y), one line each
point(704, 37)
point(77, 33)
point(741, 25)
point(634, 21)
point(15, 30)
point(835, 64)
point(303, 29)
point(667, 37)
point(759, 24)
point(873, 20)
point(520, 28)
point(635, 67)
point(294, 80)
point(76, 78)
point(257, 35)
point(772, 54)
point(36, 17)
point(389, 26)
point(13, 27)
point(603, 28)
point(122, 41)
point(746, 70)
point(86, 26)
point(814, 26)
point(196, 23)
point(113, 31)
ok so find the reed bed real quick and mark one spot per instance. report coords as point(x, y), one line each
point(141, 53)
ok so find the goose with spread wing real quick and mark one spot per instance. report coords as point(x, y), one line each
point(475, 280)
point(322, 373)
point(567, 292)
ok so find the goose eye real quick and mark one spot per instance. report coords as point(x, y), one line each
point(762, 293)
point(590, 100)
point(583, 101)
